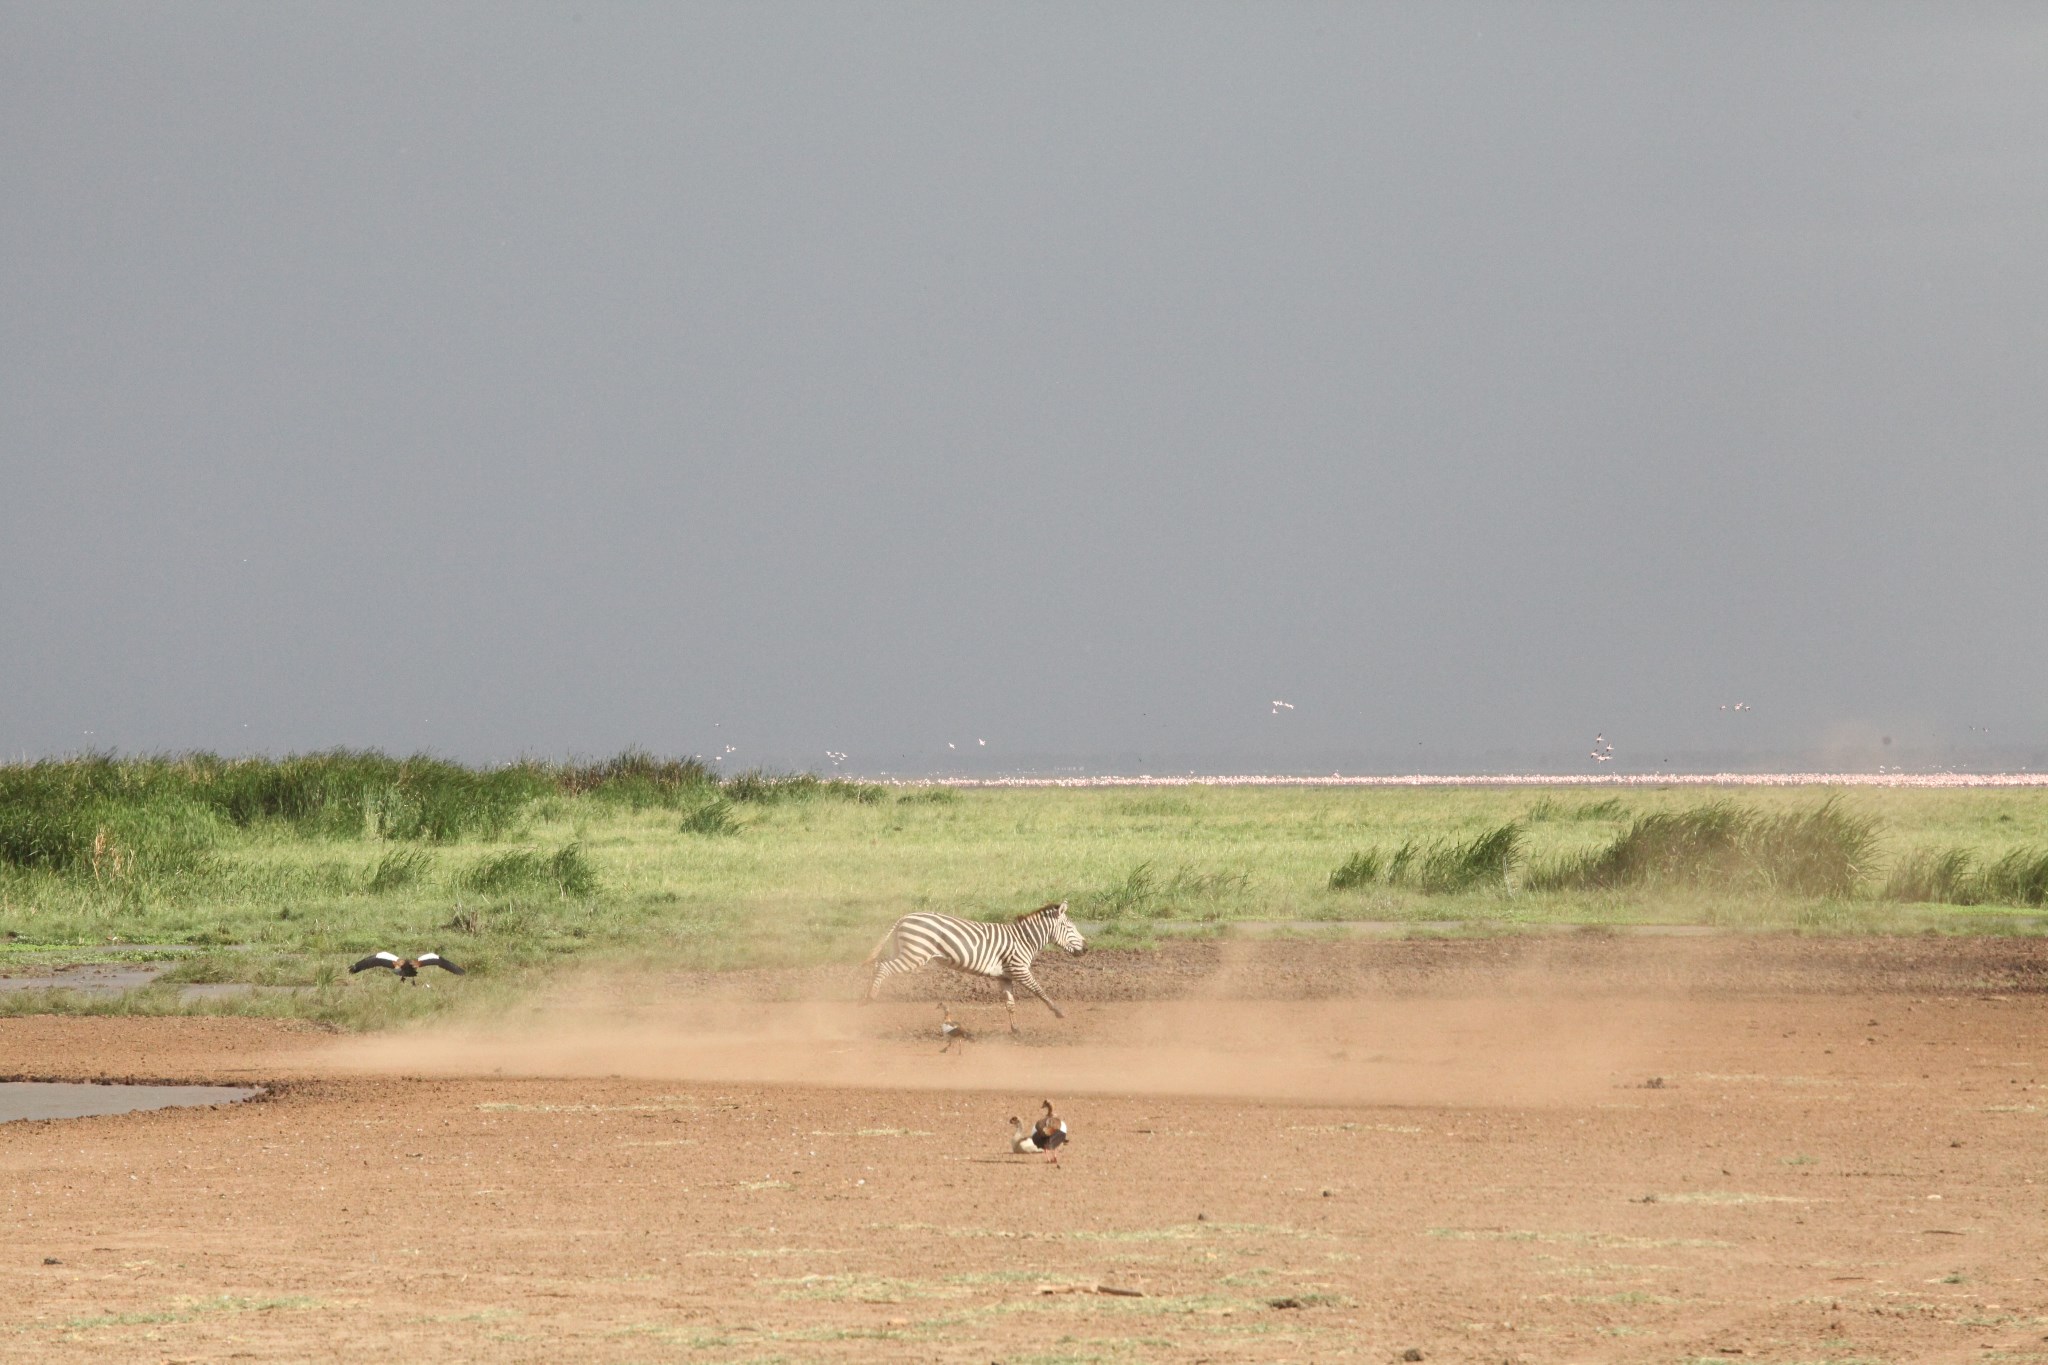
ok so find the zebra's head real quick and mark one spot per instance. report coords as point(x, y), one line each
point(1063, 931)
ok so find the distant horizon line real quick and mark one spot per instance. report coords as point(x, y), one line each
point(1068, 774)
point(1723, 779)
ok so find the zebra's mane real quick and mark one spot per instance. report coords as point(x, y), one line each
point(1047, 908)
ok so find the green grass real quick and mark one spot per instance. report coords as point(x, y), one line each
point(1441, 867)
point(713, 817)
point(1954, 876)
point(284, 870)
point(1825, 851)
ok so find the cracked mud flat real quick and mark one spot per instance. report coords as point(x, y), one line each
point(1595, 1149)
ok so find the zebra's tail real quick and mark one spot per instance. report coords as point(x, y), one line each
point(880, 948)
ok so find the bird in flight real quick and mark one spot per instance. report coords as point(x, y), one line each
point(406, 967)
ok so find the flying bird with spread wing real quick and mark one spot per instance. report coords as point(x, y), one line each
point(407, 967)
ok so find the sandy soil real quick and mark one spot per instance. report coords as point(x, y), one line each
point(1595, 1149)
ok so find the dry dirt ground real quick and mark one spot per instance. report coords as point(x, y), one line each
point(1597, 1148)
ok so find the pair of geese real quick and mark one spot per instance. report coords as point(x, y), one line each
point(1047, 1135)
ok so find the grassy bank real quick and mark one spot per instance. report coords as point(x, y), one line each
point(280, 873)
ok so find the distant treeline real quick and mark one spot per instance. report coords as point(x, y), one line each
point(160, 813)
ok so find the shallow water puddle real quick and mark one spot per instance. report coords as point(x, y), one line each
point(91, 978)
point(77, 1100)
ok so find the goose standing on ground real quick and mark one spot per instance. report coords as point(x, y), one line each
point(951, 1031)
point(1049, 1134)
point(1021, 1141)
point(406, 967)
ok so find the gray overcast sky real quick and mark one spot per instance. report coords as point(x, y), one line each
point(498, 379)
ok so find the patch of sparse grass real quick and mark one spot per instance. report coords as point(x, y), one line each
point(1136, 896)
point(188, 1310)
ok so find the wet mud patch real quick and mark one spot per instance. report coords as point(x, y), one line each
point(22, 1100)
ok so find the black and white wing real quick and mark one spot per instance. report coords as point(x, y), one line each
point(386, 960)
point(436, 960)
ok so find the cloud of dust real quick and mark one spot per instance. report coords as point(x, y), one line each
point(1528, 1040)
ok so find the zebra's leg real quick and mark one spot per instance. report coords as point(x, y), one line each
point(1009, 1002)
point(1031, 984)
point(884, 970)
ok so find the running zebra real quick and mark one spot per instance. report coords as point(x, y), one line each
point(1002, 951)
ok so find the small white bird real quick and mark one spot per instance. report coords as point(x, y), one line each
point(1279, 706)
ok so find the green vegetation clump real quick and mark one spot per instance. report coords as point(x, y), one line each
point(51, 812)
point(638, 780)
point(1438, 867)
point(1939, 875)
point(2018, 878)
point(1951, 876)
point(566, 871)
point(1360, 869)
point(713, 817)
point(1549, 808)
point(1143, 893)
point(87, 816)
point(1821, 852)
point(397, 870)
point(768, 789)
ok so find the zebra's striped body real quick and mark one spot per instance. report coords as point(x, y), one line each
point(1000, 951)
